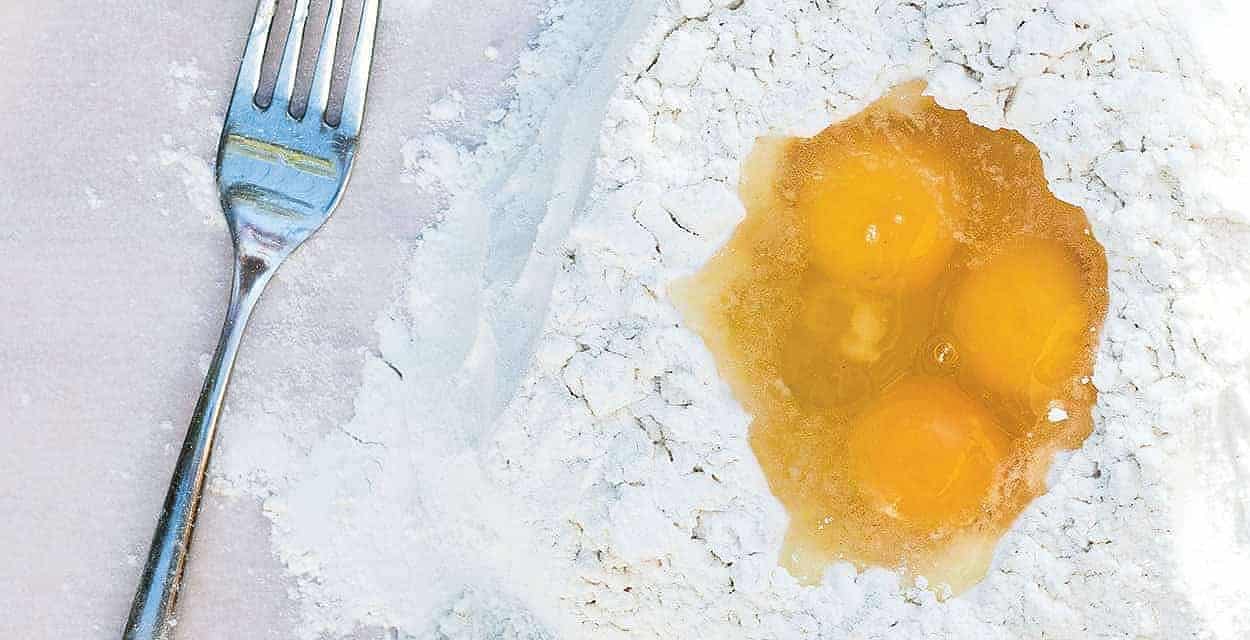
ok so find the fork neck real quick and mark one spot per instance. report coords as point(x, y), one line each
point(251, 274)
point(256, 258)
point(254, 266)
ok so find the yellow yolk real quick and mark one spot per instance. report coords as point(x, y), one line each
point(925, 453)
point(880, 220)
point(1022, 319)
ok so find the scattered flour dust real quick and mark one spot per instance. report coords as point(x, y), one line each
point(542, 450)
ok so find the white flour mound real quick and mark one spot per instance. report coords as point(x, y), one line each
point(542, 450)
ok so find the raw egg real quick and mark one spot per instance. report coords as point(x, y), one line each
point(879, 219)
point(903, 309)
point(926, 454)
point(1023, 318)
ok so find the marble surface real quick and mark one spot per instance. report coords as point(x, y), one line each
point(114, 263)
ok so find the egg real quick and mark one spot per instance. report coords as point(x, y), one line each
point(881, 219)
point(925, 453)
point(1021, 321)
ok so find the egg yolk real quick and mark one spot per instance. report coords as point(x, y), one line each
point(902, 310)
point(925, 453)
point(880, 219)
point(1022, 319)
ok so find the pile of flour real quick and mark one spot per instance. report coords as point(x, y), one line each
point(540, 449)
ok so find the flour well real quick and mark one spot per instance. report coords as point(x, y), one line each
point(541, 449)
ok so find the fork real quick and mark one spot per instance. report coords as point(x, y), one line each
point(279, 177)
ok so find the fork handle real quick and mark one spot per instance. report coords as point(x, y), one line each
point(151, 615)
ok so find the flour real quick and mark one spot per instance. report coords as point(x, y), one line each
point(542, 450)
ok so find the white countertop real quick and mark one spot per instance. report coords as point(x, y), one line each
point(114, 264)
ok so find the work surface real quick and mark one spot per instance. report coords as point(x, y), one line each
point(114, 260)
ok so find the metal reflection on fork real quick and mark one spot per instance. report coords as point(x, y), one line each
point(279, 176)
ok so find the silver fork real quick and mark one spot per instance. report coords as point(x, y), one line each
point(279, 177)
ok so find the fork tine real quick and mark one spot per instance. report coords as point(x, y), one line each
point(285, 84)
point(319, 96)
point(362, 62)
point(248, 82)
